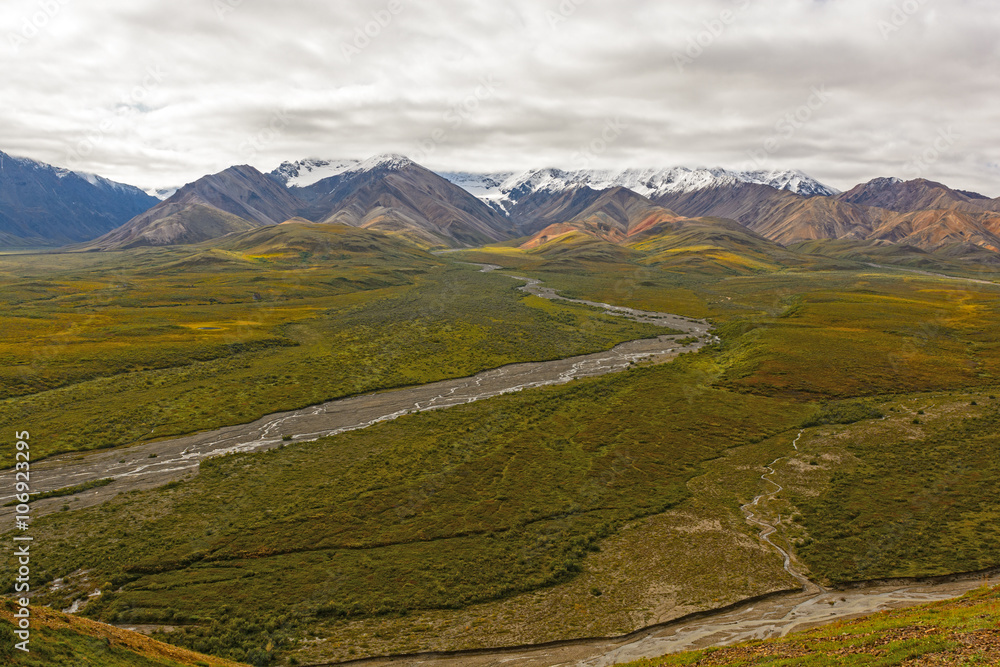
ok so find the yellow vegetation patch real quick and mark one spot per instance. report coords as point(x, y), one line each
point(45, 621)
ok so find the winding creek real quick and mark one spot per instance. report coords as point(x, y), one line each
point(775, 615)
point(157, 463)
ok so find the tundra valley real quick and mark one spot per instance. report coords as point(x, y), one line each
point(362, 411)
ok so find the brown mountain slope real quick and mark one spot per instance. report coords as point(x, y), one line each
point(614, 215)
point(916, 195)
point(395, 195)
point(932, 230)
point(778, 215)
point(542, 208)
point(236, 199)
point(182, 223)
point(788, 218)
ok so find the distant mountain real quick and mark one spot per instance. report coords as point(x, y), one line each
point(387, 193)
point(938, 229)
point(478, 185)
point(393, 194)
point(234, 200)
point(505, 192)
point(613, 216)
point(917, 195)
point(42, 205)
point(778, 215)
point(923, 214)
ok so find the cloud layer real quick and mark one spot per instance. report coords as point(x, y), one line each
point(158, 93)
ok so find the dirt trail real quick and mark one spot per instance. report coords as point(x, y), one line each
point(157, 463)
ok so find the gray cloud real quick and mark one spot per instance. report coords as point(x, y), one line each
point(159, 93)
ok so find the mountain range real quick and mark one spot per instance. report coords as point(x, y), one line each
point(44, 205)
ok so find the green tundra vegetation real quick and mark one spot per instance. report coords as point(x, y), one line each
point(110, 349)
point(490, 501)
point(955, 632)
point(64, 640)
point(434, 510)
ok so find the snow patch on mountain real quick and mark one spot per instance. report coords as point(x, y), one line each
point(386, 161)
point(504, 189)
point(480, 185)
point(303, 173)
point(162, 193)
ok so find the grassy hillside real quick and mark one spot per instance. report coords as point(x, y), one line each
point(910, 495)
point(62, 640)
point(965, 631)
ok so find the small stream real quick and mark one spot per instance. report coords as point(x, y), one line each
point(157, 463)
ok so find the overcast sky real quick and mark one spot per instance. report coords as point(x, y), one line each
point(158, 93)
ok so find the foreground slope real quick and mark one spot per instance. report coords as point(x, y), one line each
point(64, 640)
point(965, 631)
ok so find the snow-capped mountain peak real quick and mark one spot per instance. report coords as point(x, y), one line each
point(503, 190)
point(303, 173)
point(386, 161)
